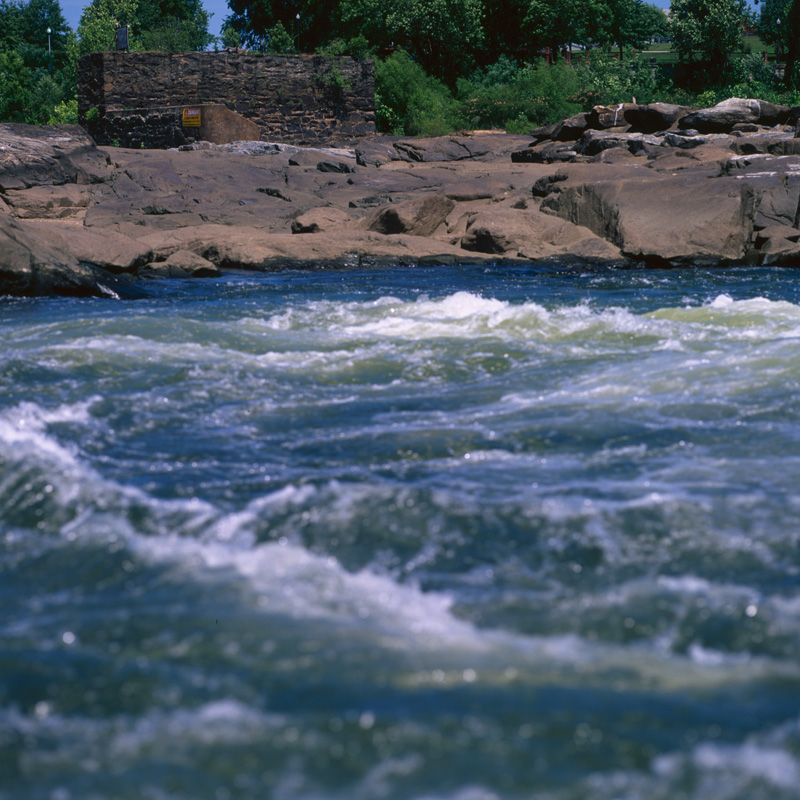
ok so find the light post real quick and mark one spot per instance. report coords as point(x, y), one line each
point(298, 32)
point(778, 53)
point(49, 31)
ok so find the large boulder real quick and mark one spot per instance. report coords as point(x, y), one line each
point(603, 117)
point(689, 217)
point(571, 128)
point(318, 220)
point(654, 117)
point(594, 141)
point(420, 216)
point(722, 117)
point(33, 155)
point(31, 264)
point(530, 234)
point(111, 251)
point(449, 148)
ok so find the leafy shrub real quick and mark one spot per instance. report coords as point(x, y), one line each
point(506, 92)
point(65, 112)
point(410, 102)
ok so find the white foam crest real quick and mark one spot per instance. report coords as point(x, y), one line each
point(143, 350)
point(220, 722)
point(735, 765)
point(748, 319)
point(24, 436)
point(292, 581)
point(287, 580)
point(459, 315)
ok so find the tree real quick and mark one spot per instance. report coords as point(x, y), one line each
point(555, 24)
point(788, 32)
point(504, 32)
point(252, 19)
point(37, 70)
point(629, 23)
point(712, 28)
point(173, 25)
point(443, 36)
point(98, 23)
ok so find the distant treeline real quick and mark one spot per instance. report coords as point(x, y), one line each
point(441, 65)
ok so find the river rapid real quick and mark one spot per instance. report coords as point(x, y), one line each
point(443, 534)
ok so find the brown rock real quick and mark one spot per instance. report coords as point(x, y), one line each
point(32, 155)
point(531, 234)
point(49, 202)
point(30, 264)
point(683, 218)
point(106, 249)
point(317, 220)
point(420, 216)
point(654, 117)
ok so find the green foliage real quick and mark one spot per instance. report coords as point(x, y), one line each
point(65, 112)
point(709, 28)
point(15, 78)
point(167, 25)
point(279, 40)
point(230, 37)
point(536, 92)
point(175, 35)
point(409, 101)
point(330, 76)
point(34, 77)
point(607, 80)
point(98, 23)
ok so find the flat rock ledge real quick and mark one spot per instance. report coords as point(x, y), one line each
point(631, 186)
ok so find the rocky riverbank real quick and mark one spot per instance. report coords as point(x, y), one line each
point(631, 185)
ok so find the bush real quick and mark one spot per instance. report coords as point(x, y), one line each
point(410, 102)
point(65, 112)
point(608, 81)
point(507, 94)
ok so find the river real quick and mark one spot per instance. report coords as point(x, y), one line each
point(453, 533)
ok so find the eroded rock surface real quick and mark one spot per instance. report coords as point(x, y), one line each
point(78, 219)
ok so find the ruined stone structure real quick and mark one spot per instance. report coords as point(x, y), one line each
point(137, 99)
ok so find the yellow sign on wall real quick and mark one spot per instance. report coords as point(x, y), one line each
point(191, 117)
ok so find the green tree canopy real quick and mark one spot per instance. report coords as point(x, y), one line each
point(172, 25)
point(33, 76)
point(711, 29)
point(787, 34)
point(629, 23)
point(99, 21)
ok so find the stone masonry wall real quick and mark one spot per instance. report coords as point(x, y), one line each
point(293, 98)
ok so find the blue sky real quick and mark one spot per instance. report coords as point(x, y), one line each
point(72, 10)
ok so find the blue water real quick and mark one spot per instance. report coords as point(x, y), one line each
point(451, 533)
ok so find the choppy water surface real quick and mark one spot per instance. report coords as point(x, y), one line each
point(449, 533)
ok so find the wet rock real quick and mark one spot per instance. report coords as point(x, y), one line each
point(603, 117)
point(30, 265)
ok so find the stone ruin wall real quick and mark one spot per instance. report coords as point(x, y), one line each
point(292, 98)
